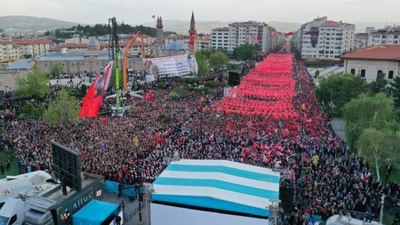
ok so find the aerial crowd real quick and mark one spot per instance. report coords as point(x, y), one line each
point(326, 176)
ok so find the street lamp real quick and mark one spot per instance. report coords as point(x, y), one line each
point(382, 205)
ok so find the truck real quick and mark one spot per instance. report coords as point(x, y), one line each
point(44, 203)
point(13, 212)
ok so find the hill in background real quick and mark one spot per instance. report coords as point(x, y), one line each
point(30, 23)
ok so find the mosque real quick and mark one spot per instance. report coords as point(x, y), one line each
point(95, 57)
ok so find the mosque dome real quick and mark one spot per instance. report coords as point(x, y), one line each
point(176, 45)
point(93, 44)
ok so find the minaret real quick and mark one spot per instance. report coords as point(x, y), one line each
point(192, 35)
point(159, 31)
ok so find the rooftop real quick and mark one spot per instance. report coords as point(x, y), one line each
point(22, 64)
point(378, 52)
point(330, 23)
point(33, 41)
point(219, 185)
point(221, 29)
point(247, 23)
point(72, 56)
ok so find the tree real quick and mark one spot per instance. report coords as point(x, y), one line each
point(31, 112)
point(379, 85)
point(202, 64)
point(395, 91)
point(63, 110)
point(245, 52)
point(27, 56)
point(368, 112)
point(316, 74)
point(381, 147)
point(35, 84)
point(338, 89)
point(218, 60)
point(57, 68)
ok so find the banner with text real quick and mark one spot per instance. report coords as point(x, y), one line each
point(171, 66)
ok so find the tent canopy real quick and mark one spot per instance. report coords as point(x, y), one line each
point(218, 184)
point(94, 213)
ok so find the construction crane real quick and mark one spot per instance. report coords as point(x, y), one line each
point(114, 53)
point(125, 60)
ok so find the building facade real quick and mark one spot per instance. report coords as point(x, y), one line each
point(220, 38)
point(91, 60)
point(263, 37)
point(250, 32)
point(361, 40)
point(389, 35)
point(370, 61)
point(203, 42)
point(9, 51)
point(324, 39)
point(34, 47)
point(81, 62)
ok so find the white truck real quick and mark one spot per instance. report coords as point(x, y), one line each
point(13, 212)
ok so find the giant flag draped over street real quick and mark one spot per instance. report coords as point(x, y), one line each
point(94, 97)
point(267, 90)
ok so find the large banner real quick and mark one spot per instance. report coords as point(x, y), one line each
point(171, 66)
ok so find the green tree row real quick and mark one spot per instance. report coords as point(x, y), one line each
point(62, 111)
point(336, 90)
point(103, 29)
point(371, 113)
point(373, 129)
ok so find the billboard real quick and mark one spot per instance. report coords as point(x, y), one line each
point(171, 66)
point(67, 165)
point(314, 33)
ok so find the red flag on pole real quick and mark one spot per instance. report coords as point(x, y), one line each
point(149, 96)
point(93, 98)
point(192, 38)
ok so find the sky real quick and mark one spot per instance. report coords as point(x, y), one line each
point(141, 11)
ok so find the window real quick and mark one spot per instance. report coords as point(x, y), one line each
point(362, 73)
point(379, 72)
point(13, 220)
point(353, 71)
point(390, 74)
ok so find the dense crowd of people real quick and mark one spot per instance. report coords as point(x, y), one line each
point(327, 177)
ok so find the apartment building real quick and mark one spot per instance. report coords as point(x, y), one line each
point(220, 38)
point(325, 39)
point(389, 35)
point(203, 42)
point(9, 51)
point(250, 32)
point(34, 47)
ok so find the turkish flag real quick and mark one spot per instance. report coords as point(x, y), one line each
point(192, 38)
point(94, 97)
point(149, 96)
